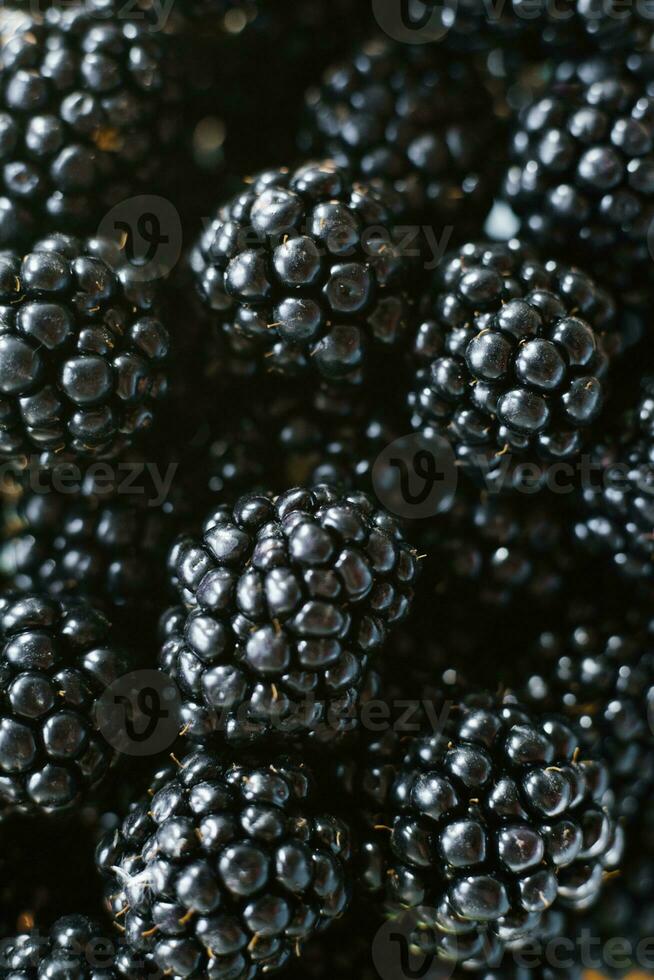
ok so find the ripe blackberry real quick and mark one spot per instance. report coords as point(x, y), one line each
point(82, 349)
point(616, 518)
point(511, 355)
point(88, 111)
point(598, 672)
point(227, 868)
point(301, 274)
point(287, 601)
point(582, 180)
point(74, 947)
point(485, 826)
point(54, 665)
point(421, 121)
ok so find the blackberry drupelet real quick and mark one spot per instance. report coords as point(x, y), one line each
point(597, 671)
point(76, 947)
point(616, 514)
point(301, 273)
point(485, 826)
point(288, 599)
point(582, 180)
point(55, 663)
point(88, 110)
point(511, 355)
point(82, 350)
point(416, 118)
point(226, 869)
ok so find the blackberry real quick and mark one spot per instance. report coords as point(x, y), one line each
point(287, 600)
point(301, 273)
point(82, 349)
point(417, 119)
point(582, 180)
point(54, 665)
point(598, 672)
point(75, 947)
point(485, 826)
point(89, 105)
point(511, 355)
point(227, 868)
point(616, 515)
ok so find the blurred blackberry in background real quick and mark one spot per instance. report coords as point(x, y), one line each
point(287, 600)
point(82, 350)
point(90, 107)
point(597, 670)
point(226, 867)
point(616, 516)
point(301, 273)
point(511, 355)
point(488, 823)
point(421, 121)
point(582, 180)
point(55, 664)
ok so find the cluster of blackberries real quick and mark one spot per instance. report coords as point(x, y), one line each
point(327, 538)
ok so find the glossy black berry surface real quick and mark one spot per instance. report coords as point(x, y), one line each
point(82, 349)
point(227, 868)
point(582, 177)
point(411, 116)
point(301, 273)
point(287, 601)
point(511, 355)
point(486, 826)
point(89, 106)
point(56, 661)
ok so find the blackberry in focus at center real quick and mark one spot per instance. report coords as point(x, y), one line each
point(288, 602)
point(227, 869)
point(301, 273)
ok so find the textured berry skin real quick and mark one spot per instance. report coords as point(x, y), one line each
point(488, 824)
point(86, 114)
point(82, 349)
point(582, 180)
point(302, 275)
point(55, 663)
point(423, 123)
point(75, 947)
point(598, 671)
point(287, 601)
point(510, 355)
point(226, 869)
point(616, 518)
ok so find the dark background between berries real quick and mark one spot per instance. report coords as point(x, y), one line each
point(377, 244)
